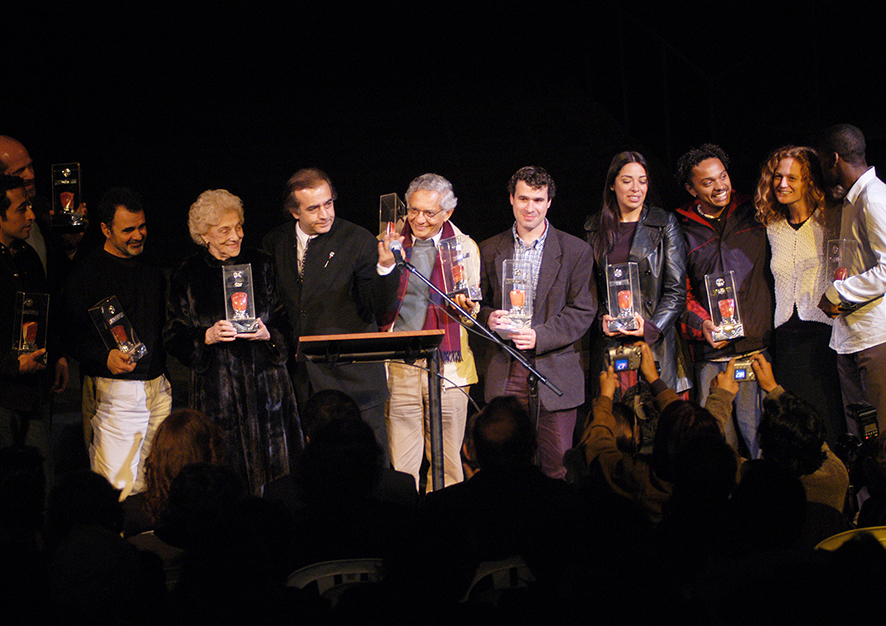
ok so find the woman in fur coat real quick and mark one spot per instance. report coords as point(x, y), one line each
point(238, 379)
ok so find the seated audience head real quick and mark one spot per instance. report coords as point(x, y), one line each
point(791, 434)
point(83, 498)
point(185, 437)
point(679, 423)
point(200, 496)
point(768, 507)
point(628, 436)
point(503, 435)
point(705, 472)
point(341, 464)
point(325, 406)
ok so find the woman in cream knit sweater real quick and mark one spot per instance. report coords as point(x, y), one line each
point(790, 202)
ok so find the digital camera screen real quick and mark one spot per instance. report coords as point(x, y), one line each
point(620, 365)
point(741, 374)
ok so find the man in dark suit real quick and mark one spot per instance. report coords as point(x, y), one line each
point(335, 278)
point(564, 306)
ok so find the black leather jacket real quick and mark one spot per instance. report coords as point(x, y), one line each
point(659, 250)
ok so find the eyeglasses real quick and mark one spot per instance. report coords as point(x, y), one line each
point(428, 214)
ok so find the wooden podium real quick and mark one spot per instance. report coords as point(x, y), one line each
point(334, 350)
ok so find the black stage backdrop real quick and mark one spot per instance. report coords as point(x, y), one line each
point(176, 98)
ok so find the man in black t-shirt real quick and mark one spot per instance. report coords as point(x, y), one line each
point(125, 397)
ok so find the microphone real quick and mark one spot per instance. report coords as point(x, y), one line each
point(397, 250)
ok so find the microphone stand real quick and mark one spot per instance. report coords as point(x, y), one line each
point(535, 377)
point(491, 336)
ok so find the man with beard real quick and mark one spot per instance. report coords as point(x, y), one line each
point(124, 400)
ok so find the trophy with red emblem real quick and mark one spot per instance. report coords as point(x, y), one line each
point(30, 323)
point(455, 276)
point(623, 290)
point(239, 305)
point(66, 214)
point(516, 293)
point(725, 311)
point(115, 328)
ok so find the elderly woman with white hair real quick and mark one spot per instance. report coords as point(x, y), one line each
point(238, 379)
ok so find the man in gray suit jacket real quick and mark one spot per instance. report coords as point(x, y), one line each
point(564, 306)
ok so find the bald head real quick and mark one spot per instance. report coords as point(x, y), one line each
point(15, 161)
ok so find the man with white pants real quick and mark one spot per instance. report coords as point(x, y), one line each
point(124, 400)
point(430, 202)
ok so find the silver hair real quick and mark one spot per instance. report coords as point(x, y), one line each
point(436, 183)
point(209, 209)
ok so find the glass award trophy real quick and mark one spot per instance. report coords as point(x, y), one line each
point(844, 260)
point(843, 257)
point(455, 276)
point(724, 311)
point(29, 323)
point(66, 217)
point(115, 328)
point(391, 214)
point(516, 293)
point(239, 305)
point(623, 290)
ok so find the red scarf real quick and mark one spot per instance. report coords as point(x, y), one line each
point(436, 318)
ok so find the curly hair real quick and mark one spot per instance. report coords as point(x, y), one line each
point(610, 215)
point(186, 436)
point(770, 210)
point(688, 161)
point(209, 209)
point(535, 177)
point(791, 433)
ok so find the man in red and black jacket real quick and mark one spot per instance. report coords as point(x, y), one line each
point(722, 235)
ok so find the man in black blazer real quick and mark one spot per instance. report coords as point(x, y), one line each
point(564, 307)
point(335, 278)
